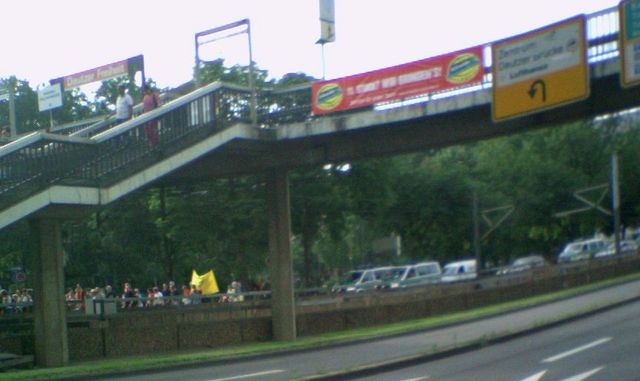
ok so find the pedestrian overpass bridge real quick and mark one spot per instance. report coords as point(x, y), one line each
point(209, 133)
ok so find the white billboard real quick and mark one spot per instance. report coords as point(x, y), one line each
point(50, 97)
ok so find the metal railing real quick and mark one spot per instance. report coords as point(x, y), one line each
point(102, 153)
point(103, 156)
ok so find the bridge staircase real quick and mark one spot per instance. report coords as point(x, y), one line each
point(97, 164)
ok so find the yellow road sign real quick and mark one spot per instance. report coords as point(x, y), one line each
point(539, 70)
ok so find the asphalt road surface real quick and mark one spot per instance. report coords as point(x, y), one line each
point(602, 347)
point(516, 360)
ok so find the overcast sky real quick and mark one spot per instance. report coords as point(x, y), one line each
point(47, 39)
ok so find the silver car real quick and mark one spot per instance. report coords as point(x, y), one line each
point(581, 250)
point(627, 247)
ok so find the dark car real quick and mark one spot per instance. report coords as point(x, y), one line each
point(524, 263)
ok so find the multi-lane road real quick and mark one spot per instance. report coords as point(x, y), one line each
point(600, 346)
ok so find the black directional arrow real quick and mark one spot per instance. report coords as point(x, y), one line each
point(532, 89)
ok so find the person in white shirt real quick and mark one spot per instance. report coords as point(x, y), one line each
point(124, 105)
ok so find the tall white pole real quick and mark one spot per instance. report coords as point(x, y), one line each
point(252, 86)
point(615, 200)
point(13, 132)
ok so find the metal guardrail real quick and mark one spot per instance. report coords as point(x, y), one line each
point(102, 306)
point(69, 128)
point(102, 154)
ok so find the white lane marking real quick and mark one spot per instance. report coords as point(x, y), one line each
point(265, 373)
point(584, 375)
point(418, 378)
point(535, 377)
point(576, 350)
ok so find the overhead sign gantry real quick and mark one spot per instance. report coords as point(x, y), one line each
point(540, 70)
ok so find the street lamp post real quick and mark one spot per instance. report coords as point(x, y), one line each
point(12, 110)
point(615, 200)
point(476, 231)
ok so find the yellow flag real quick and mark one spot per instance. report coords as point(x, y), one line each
point(206, 282)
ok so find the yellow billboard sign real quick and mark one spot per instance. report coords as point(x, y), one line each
point(539, 70)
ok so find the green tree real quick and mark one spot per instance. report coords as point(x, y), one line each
point(317, 201)
point(238, 74)
point(116, 244)
point(221, 225)
point(432, 212)
point(28, 118)
point(538, 172)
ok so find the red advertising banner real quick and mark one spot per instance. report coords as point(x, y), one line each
point(394, 83)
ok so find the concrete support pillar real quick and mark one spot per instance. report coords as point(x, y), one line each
point(280, 259)
point(50, 325)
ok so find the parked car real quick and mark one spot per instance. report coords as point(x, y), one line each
point(412, 275)
point(361, 280)
point(459, 270)
point(581, 250)
point(523, 264)
point(627, 247)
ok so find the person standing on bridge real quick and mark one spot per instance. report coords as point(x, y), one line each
point(150, 101)
point(124, 105)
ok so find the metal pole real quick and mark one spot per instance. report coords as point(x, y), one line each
point(615, 200)
point(324, 67)
point(143, 76)
point(476, 232)
point(196, 73)
point(254, 102)
point(13, 132)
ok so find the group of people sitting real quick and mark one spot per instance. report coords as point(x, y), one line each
point(21, 300)
point(16, 301)
point(132, 297)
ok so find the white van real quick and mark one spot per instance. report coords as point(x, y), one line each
point(412, 275)
point(581, 250)
point(361, 280)
point(459, 270)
